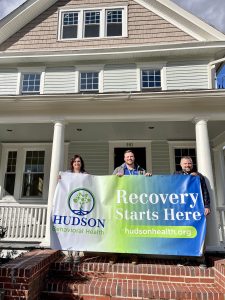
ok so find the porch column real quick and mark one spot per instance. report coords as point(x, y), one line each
point(56, 166)
point(205, 167)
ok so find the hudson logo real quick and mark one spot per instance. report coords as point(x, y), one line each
point(81, 202)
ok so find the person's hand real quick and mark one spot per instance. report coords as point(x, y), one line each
point(194, 174)
point(148, 174)
point(207, 211)
point(119, 174)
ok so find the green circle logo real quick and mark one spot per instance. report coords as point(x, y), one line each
point(81, 202)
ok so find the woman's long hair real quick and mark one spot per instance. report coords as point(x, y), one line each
point(82, 170)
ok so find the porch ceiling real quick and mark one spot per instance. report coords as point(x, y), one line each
point(96, 131)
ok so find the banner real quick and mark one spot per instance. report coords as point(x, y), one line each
point(161, 214)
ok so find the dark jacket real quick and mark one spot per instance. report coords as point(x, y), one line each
point(205, 192)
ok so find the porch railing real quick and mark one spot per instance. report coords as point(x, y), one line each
point(23, 223)
point(221, 211)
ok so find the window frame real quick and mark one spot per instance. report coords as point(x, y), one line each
point(91, 68)
point(161, 66)
point(179, 145)
point(21, 149)
point(30, 70)
point(102, 24)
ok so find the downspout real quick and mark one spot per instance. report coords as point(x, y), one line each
point(212, 71)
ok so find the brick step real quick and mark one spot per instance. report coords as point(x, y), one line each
point(144, 270)
point(103, 288)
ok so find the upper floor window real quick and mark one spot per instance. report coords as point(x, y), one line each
point(70, 25)
point(114, 22)
point(31, 83)
point(89, 81)
point(93, 23)
point(30, 80)
point(150, 79)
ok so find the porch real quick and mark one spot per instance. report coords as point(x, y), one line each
point(165, 124)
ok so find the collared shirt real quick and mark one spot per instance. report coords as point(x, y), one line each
point(130, 171)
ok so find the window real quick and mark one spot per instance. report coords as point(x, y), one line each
point(93, 23)
point(179, 152)
point(10, 174)
point(31, 83)
point(24, 174)
point(70, 25)
point(114, 22)
point(150, 79)
point(89, 81)
point(33, 176)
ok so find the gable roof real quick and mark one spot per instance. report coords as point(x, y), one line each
point(164, 8)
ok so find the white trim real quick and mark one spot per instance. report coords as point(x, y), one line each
point(102, 24)
point(178, 145)
point(129, 144)
point(182, 19)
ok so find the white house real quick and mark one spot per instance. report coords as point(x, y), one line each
point(96, 77)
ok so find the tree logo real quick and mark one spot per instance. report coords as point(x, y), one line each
point(81, 202)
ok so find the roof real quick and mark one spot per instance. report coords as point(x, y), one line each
point(164, 8)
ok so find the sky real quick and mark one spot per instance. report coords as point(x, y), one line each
point(211, 11)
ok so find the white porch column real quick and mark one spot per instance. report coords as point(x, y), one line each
point(205, 167)
point(56, 166)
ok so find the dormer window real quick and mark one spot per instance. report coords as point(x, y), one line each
point(93, 23)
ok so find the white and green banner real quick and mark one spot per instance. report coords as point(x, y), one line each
point(161, 214)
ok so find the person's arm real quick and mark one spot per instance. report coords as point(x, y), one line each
point(118, 171)
point(205, 195)
point(205, 192)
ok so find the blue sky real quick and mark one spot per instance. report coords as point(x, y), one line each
point(211, 11)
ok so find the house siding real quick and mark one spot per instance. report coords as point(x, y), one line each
point(8, 81)
point(187, 75)
point(144, 27)
point(120, 78)
point(94, 154)
point(59, 80)
point(160, 157)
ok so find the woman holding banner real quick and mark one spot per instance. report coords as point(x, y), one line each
point(76, 166)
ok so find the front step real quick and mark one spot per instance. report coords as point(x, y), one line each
point(147, 280)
